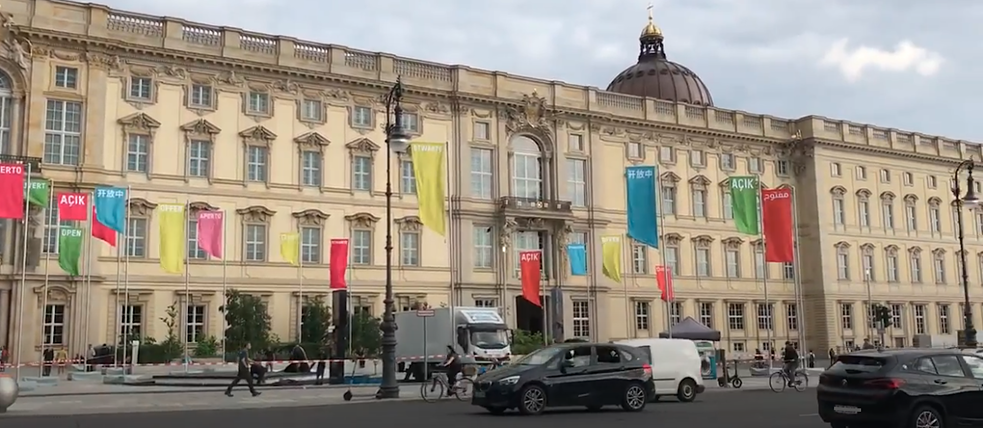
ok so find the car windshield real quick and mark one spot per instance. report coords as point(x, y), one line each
point(539, 357)
point(490, 339)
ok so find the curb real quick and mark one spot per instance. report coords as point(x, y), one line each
point(178, 390)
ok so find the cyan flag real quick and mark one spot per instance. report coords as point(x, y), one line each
point(577, 253)
point(642, 217)
point(110, 205)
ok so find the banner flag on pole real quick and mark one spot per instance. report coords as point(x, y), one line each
point(776, 216)
point(577, 254)
point(290, 248)
point(38, 193)
point(642, 217)
point(210, 227)
point(172, 237)
point(744, 204)
point(663, 277)
point(70, 249)
point(101, 232)
point(12, 191)
point(428, 170)
point(530, 267)
point(110, 203)
point(611, 257)
point(338, 263)
point(73, 206)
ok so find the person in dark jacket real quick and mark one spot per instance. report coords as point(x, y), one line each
point(245, 365)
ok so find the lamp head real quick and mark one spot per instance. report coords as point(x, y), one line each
point(971, 201)
point(399, 141)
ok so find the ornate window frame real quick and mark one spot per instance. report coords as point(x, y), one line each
point(185, 300)
point(130, 297)
point(139, 209)
point(141, 124)
point(411, 225)
point(733, 244)
point(702, 242)
point(199, 130)
point(311, 142)
point(361, 148)
point(701, 184)
point(257, 136)
point(362, 221)
point(255, 215)
point(258, 88)
point(189, 87)
point(311, 219)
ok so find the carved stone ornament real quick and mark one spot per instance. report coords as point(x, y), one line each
point(757, 244)
point(140, 122)
point(255, 214)
point(13, 48)
point(258, 134)
point(312, 141)
point(141, 207)
point(56, 292)
point(310, 217)
point(200, 127)
point(230, 78)
point(669, 178)
point(672, 238)
point(532, 112)
point(531, 223)
point(286, 86)
point(733, 242)
point(891, 249)
point(509, 226)
point(363, 146)
point(702, 239)
point(171, 72)
point(362, 220)
point(915, 250)
point(201, 206)
point(410, 223)
point(437, 108)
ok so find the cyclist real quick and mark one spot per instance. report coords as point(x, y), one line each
point(791, 359)
point(453, 365)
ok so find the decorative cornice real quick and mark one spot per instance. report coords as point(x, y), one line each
point(255, 214)
point(312, 140)
point(313, 217)
point(139, 121)
point(362, 145)
point(672, 238)
point(200, 127)
point(362, 219)
point(141, 207)
point(410, 223)
point(258, 133)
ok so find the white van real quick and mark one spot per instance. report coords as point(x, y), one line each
point(676, 366)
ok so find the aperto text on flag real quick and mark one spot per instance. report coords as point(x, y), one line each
point(73, 199)
point(632, 174)
point(73, 232)
point(529, 256)
point(210, 215)
point(778, 195)
point(743, 183)
point(11, 169)
point(110, 193)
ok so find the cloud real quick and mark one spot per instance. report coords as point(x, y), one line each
point(906, 56)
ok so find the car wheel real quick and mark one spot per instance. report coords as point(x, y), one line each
point(635, 398)
point(593, 407)
point(495, 410)
point(532, 400)
point(926, 417)
point(687, 391)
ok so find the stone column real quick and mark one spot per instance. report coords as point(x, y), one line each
point(4, 317)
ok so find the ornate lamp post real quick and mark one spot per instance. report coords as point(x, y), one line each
point(396, 141)
point(969, 200)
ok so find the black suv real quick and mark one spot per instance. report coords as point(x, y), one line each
point(903, 388)
point(569, 374)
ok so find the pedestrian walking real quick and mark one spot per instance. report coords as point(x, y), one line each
point(244, 373)
point(812, 359)
point(832, 357)
point(61, 358)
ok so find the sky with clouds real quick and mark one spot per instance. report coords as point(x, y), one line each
point(896, 63)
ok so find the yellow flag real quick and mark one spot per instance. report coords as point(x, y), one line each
point(611, 255)
point(428, 169)
point(172, 237)
point(290, 248)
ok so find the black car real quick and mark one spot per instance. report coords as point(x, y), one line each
point(902, 388)
point(569, 374)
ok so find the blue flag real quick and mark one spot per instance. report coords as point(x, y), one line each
point(642, 217)
point(110, 203)
point(577, 253)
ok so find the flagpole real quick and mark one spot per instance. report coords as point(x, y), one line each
point(225, 278)
point(542, 290)
point(87, 280)
point(23, 274)
point(626, 248)
point(126, 274)
point(665, 260)
point(187, 282)
point(47, 262)
point(300, 294)
point(797, 282)
point(770, 326)
point(121, 246)
point(349, 304)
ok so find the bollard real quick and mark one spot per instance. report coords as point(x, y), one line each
point(8, 392)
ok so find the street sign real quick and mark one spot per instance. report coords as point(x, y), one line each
point(425, 313)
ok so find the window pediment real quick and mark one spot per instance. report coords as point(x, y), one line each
point(141, 207)
point(139, 122)
point(891, 249)
point(672, 238)
point(410, 223)
point(758, 243)
point(867, 248)
point(915, 250)
point(934, 201)
point(910, 198)
point(669, 178)
point(363, 146)
point(258, 134)
point(842, 245)
point(702, 239)
point(699, 180)
point(311, 217)
point(732, 242)
point(200, 127)
point(362, 219)
point(255, 214)
point(837, 190)
point(887, 196)
point(201, 206)
point(939, 251)
point(863, 193)
point(312, 141)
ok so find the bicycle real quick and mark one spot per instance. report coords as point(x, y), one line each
point(435, 390)
point(778, 381)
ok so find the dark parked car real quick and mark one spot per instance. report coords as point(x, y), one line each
point(902, 388)
point(569, 374)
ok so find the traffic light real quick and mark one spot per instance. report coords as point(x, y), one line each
point(882, 315)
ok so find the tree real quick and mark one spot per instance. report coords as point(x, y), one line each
point(524, 342)
point(366, 336)
point(316, 321)
point(248, 320)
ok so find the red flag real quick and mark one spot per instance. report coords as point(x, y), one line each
point(530, 267)
point(11, 191)
point(101, 232)
point(338, 263)
point(664, 277)
point(73, 206)
point(776, 219)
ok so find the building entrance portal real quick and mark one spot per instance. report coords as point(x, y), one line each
point(529, 317)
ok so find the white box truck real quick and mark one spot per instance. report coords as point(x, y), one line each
point(479, 335)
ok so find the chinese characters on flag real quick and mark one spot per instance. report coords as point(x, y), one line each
point(776, 217)
point(530, 266)
point(664, 277)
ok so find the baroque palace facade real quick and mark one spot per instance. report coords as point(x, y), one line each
point(288, 136)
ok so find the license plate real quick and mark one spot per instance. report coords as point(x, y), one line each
point(846, 410)
point(479, 394)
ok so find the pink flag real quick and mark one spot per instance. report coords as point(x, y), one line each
point(210, 226)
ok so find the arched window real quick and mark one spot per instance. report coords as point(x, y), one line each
point(527, 168)
point(6, 113)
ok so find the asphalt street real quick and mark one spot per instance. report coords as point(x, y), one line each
point(758, 408)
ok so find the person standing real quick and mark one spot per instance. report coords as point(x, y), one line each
point(244, 364)
point(812, 359)
point(61, 358)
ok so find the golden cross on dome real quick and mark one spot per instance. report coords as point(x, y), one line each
point(649, 8)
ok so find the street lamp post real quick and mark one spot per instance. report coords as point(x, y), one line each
point(969, 200)
point(396, 141)
point(869, 310)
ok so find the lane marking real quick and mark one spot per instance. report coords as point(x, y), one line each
point(808, 415)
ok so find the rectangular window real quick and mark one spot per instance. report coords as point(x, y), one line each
point(311, 110)
point(483, 247)
point(138, 153)
point(943, 319)
point(861, 173)
point(54, 325)
point(754, 165)
point(788, 271)
point(194, 252)
point(255, 242)
point(935, 220)
point(62, 132)
point(728, 206)
point(66, 77)
point(256, 163)
point(675, 313)
point(733, 258)
point(361, 247)
point(668, 200)
point(839, 217)
point(486, 303)
point(199, 158)
point(726, 161)
point(909, 180)
point(362, 117)
point(639, 259)
point(896, 317)
point(792, 314)
point(409, 248)
point(703, 262)
point(310, 168)
point(672, 259)
point(885, 176)
point(581, 318)
point(362, 173)
point(891, 260)
point(411, 122)
point(766, 317)
point(136, 238)
point(642, 310)
point(481, 173)
point(706, 314)
point(916, 267)
point(310, 245)
point(846, 316)
point(201, 96)
point(52, 228)
point(575, 142)
point(577, 182)
point(920, 327)
point(760, 266)
point(834, 169)
point(699, 203)
point(141, 88)
point(258, 103)
point(863, 208)
point(634, 150)
point(782, 168)
point(697, 158)
point(481, 131)
point(667, 154)
point(407, 179)
point(131, 323)
point(195, 324)
point(735, 316)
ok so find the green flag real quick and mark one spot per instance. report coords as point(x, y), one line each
point(744, 203)
point(70, 249)
point(38, 192)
